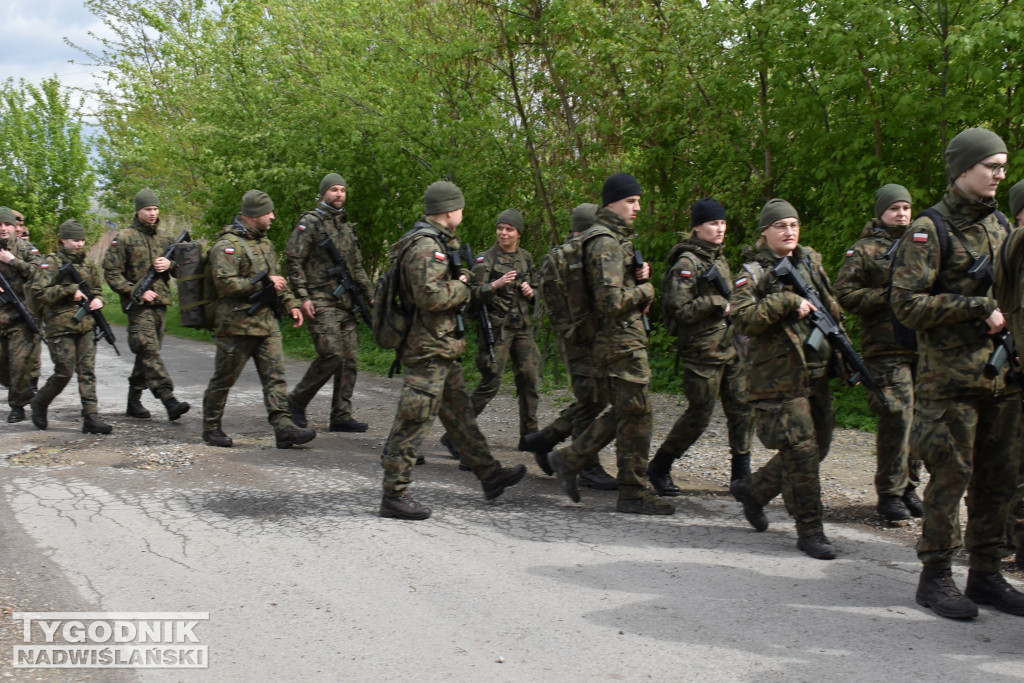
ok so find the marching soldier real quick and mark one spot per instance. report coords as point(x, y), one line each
point(313, 276)
point(18, 345)
point(696, 310)
point(69, 331)
point(133, 252)
point(246, 324)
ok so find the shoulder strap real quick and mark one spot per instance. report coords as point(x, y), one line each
point(243, 243)
point(755, 270)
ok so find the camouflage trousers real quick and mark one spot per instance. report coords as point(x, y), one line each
point(630, 421)
point(1015, 521)
point(146, 326)
point(591, 400)
point(233, 352)
point(435, 387)
point(18, 346)
point(968, 446)
point(335, 333)
point(520, 347)
point(702, 384)
point(896, 471)
point(72, 354)
point(801, 430)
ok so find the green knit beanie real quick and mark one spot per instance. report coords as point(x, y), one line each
point(1016, 199)
point(256, 203)
point(73, 230)
point(442, 197)
point(774, 210)
point(583, 216)
point(970, 147)
point(511, 217)
point(329, 181)
point(887, 195)
point(145, 198)
point(7, 216)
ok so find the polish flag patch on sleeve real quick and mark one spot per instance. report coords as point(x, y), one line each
point(113, 242)
point(742, 282)
point(479, 259)
point(44, 266)
point(920, 237)
point(685, 274)
point(229, 250)
point(440, 256)
point(849, 253)
point(301, 227)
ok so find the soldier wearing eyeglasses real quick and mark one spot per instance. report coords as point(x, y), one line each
point(966, 420)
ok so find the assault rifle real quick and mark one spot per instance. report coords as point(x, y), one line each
point(103, 330)
point(266, 296)
point(484, 314)
point(7, 296)
point(827, 326)
point(714, 276)
point(1004, 355)
point(638, 262)
point(146, 283)
point(348, 284)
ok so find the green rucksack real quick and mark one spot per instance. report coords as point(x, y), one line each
point(567, 297)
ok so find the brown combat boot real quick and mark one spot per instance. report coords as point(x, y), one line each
point(94, 424)
point(403, 507)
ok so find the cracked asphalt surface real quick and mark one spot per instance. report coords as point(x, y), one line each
point(303, 581)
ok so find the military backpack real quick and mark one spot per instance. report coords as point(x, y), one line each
point(567, 296)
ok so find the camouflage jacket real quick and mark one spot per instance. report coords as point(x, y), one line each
point(778, 363)
point(507, 306)
point(619, 299)
point(945, 306)
point(862, 287)
point(427, 282)
point(693, 307)
point(308, 263)
point(129, 258)
point(54, 293)
point(237, 256)
point(19, 273)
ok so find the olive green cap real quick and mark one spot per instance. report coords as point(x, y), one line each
point(145, 198)
point(329, 181)
point(73, 230)
point(583, 216)
point(7, 216)
point(774, 210)
point(511, 217)
point(887, 195)
point(442, 197)
point(970, 147)
point(256, 203)
point(1016, 199)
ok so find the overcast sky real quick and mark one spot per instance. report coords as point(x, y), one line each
point(35, 47)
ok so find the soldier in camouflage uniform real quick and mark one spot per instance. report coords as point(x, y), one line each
point(862, 287)
point(787, 380)
point(697, 312)
point(242, 252)
point(70, 338)
point(966, 421)
point(621, 294)
point(17, 343)
point(132, 253)
point(332, 322)
point(37, 347)
point(588, 387)
point(434, 381)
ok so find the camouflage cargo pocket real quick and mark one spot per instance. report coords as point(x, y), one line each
point(419, 399)
point(783, 424)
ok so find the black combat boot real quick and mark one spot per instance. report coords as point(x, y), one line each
point(752, 510)
point(543, 464)
point(566, 478)
point(94, 424)
point(298, 413)
point(496, 484)
point(216, 437)
point(136, 409)
point(17, 414)
point(38, 414)
point(937, 590)
point(534, 442)
point(33, 384)
point(447, 442)
point(403, 507)
point(596, 478)
point(739, 466)
point(990, 588)
point(175, 408)
point(817, 546)
point(293, 436)
point(913, 503)
point(893, 509)
point(659, 472)
point(348, 425)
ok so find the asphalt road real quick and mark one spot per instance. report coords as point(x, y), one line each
point(303, 581)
